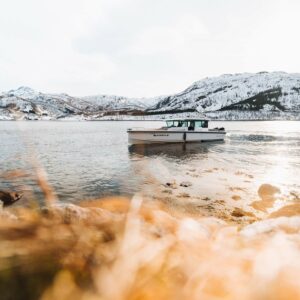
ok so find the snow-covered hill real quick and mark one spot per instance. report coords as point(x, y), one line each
point(109, 102)
point(234, 96)
point(26, 104)
point(262, 93)
point(115, 102)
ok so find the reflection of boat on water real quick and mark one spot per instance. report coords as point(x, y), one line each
point(171, 150)
point(177, 131)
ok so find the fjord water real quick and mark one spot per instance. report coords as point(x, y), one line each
point(92, 159)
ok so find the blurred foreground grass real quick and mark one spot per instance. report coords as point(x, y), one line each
point(118, 248)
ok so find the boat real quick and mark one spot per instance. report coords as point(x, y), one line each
point(177, 131)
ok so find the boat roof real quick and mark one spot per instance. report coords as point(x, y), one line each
point(189, 119)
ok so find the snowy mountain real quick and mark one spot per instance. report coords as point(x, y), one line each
point(109, 102)
point(239, 94)
point(115, 102)
point(25, 103)
point(234, 96)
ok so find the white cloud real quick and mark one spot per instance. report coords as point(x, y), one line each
point(142, 47)
point(185, 32)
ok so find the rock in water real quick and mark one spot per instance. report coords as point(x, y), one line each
point(267, 191)
point(185, 184)
point(9, 198)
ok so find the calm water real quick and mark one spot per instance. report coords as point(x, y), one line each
point(92, 159)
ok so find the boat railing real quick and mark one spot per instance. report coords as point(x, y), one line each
point(143, 128)
point(217, 129)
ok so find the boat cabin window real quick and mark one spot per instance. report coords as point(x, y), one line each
point(201, 124)
point(177, 123)
point(192, 124)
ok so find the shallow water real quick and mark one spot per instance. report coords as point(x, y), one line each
point(92, 159)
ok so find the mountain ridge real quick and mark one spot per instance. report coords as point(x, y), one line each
point(260, 95)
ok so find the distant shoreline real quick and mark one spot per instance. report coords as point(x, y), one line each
point(154, 120)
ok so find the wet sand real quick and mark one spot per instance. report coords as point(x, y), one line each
point(235, 196)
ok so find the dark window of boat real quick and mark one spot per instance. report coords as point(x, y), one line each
point(177, 123)
point(170, 123)
point(191, 125)
point(182, 124)
point(201, 124)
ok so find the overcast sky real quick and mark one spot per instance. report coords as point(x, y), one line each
point(142, 47)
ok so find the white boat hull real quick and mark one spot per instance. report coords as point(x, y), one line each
point(164, 136)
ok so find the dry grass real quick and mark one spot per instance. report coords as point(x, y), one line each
point(119, 248)
point(124, 249)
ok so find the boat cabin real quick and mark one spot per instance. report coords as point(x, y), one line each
point(190, 124)
point(177, 131)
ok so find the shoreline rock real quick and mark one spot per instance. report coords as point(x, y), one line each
point(9, 198)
